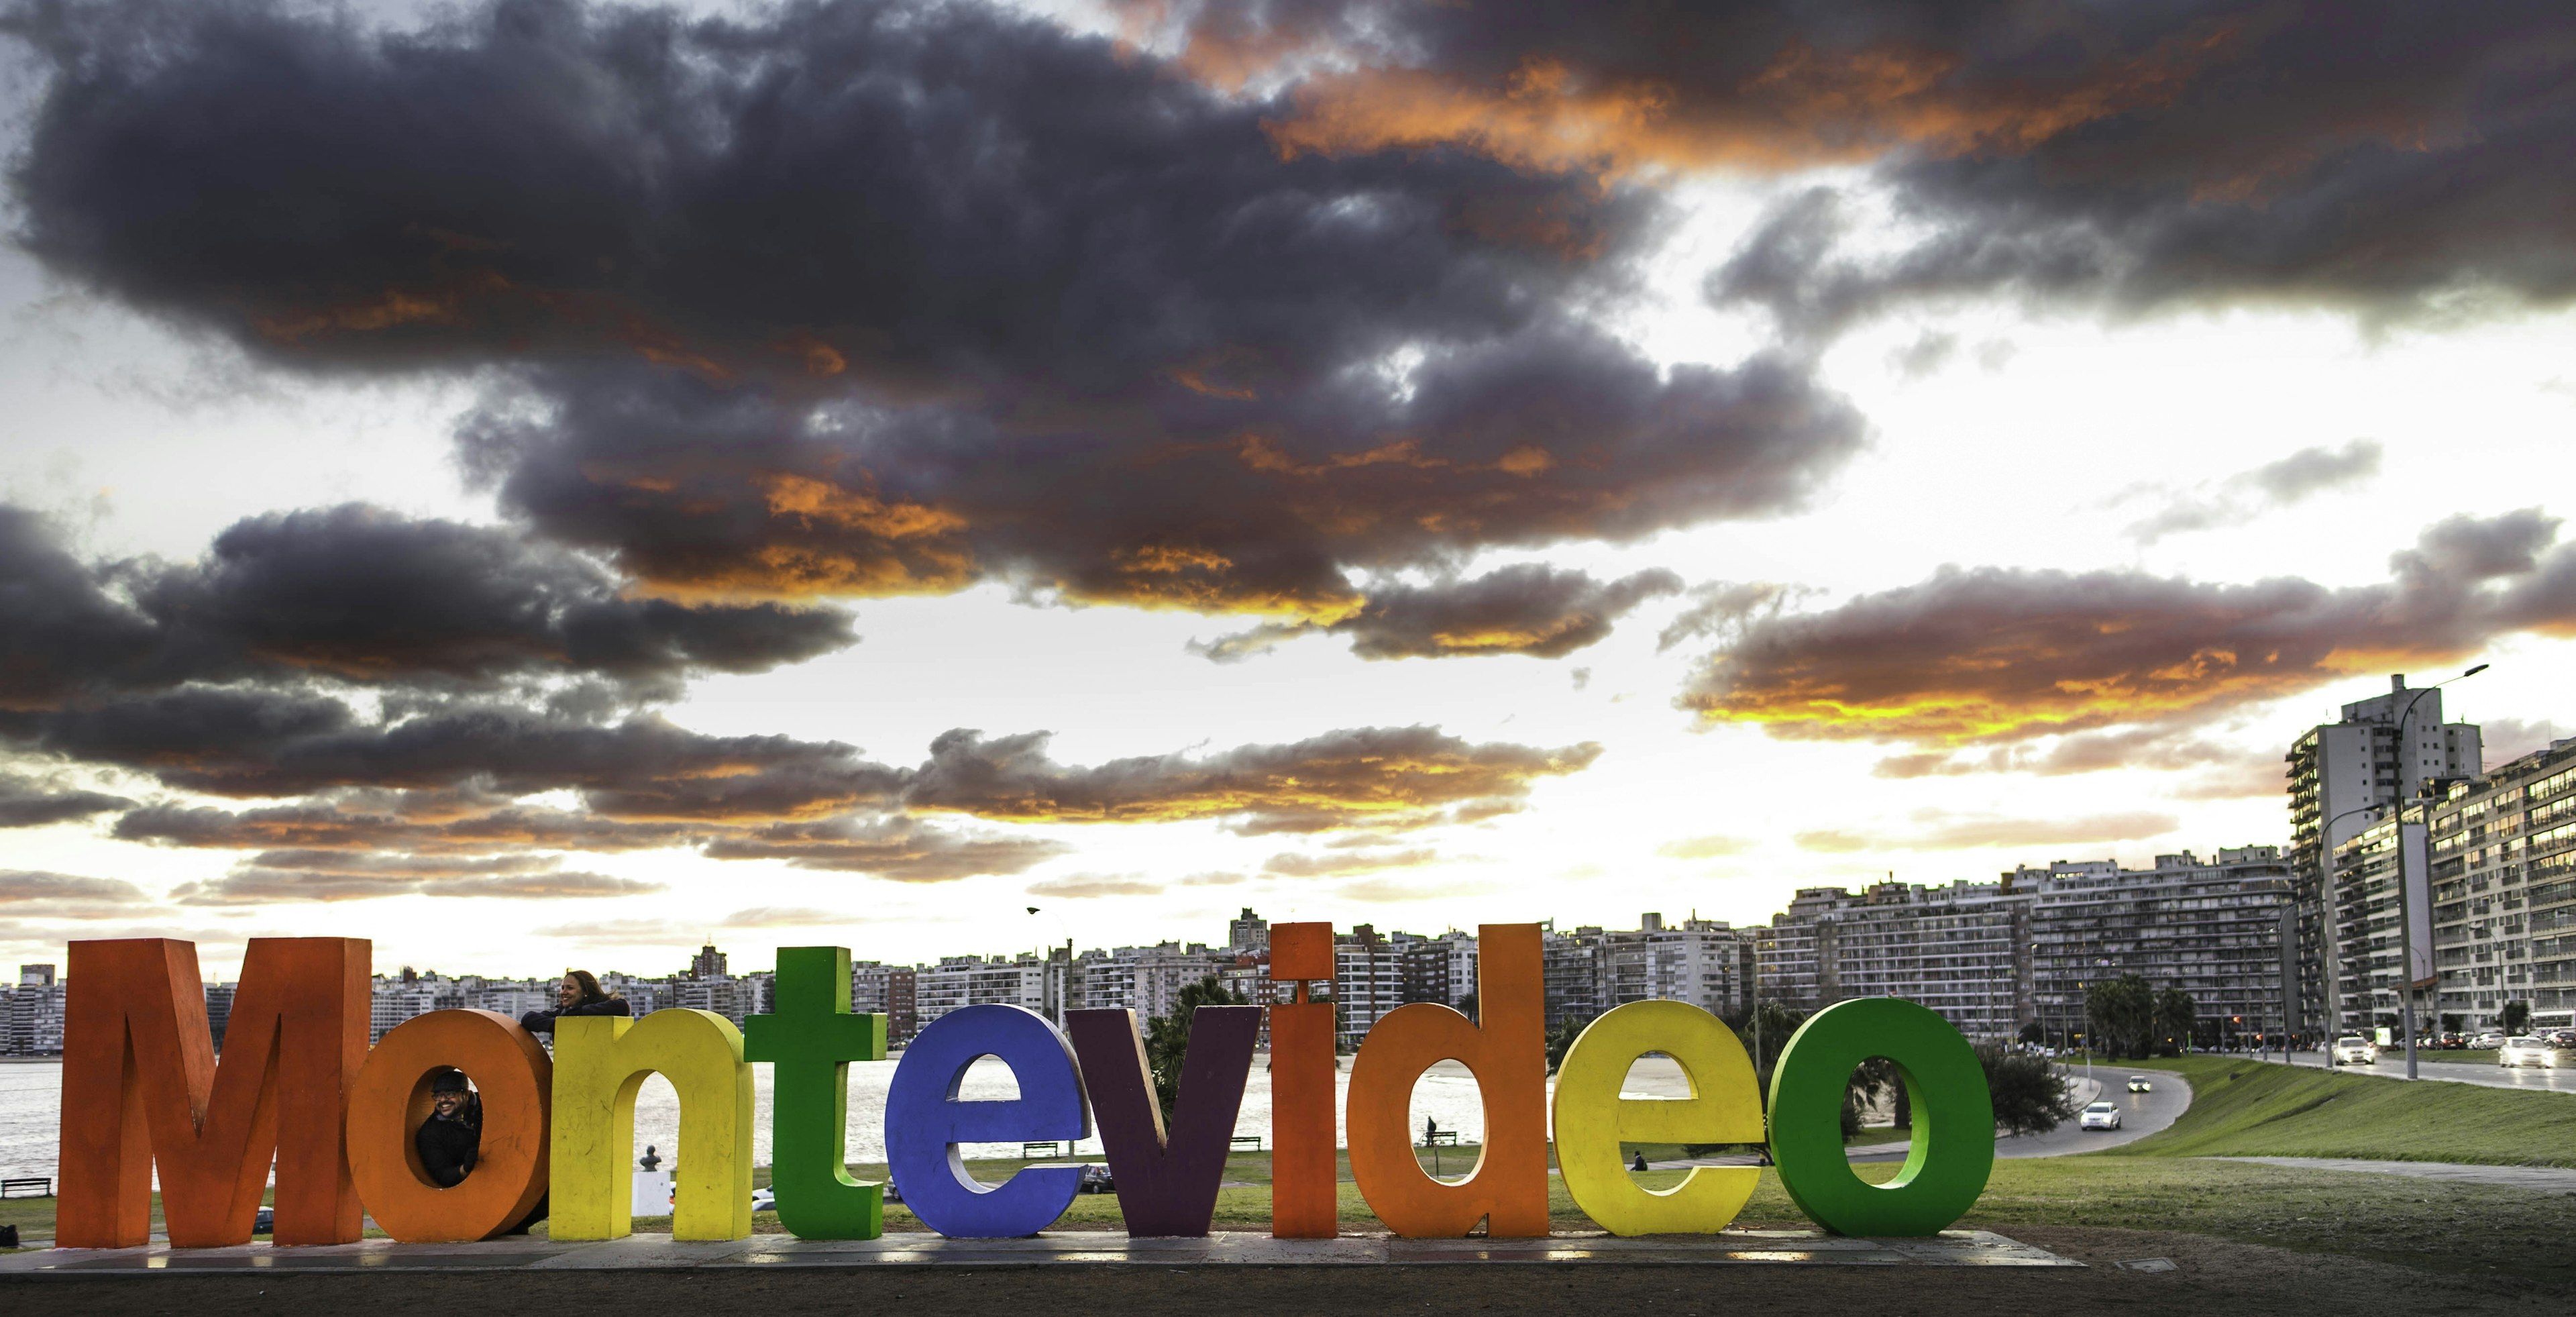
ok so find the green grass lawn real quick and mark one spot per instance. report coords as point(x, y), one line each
point(2245, 1108)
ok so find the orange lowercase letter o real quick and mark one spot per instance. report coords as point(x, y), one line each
point(141, 1086)
point(1508, 1053)
point(515, 1081)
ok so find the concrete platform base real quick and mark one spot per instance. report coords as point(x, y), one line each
point(1952, 1248)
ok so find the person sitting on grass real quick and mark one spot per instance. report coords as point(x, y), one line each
point(578, 994)
point(448, 1140)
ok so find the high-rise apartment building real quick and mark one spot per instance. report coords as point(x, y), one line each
point(2339, 772)
point(709, 963)
point(1368, 982)
point(2502, 856)
point(1248, 933)
point(1703, 961)
point(2213, 928)
point(1961, 950)
point(877, 988)
point(219, 1010)
point(1992, 957)
point(34, 1025)
point(961, 981)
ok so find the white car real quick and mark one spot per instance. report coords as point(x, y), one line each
point(2353, 1049)
point(2100, 1116)
point(2483, 1041)
point(2139, 1084)
point(2527, 1051)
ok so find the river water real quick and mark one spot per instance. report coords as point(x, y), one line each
point(31, 1108)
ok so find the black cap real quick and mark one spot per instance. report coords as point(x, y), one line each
point(447, 1080)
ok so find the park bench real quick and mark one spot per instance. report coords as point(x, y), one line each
point(41, 1187)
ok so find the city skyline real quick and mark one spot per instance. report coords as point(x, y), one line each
point(1141, 465)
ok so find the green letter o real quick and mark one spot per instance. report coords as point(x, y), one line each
point(1954, 1119)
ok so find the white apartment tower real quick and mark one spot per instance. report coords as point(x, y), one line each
point(2337, 771)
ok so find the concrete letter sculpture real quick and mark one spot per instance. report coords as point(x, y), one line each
point(1508, 1187)
point(297, 1088)
point(1167, 1180)
point(141, 1086)
point(812, 1040)
point(1592, 1120)
point(925, 1121)
point(1954, 1119)
point(391, 1098)
point(600, 1061)
point(1305, 1194)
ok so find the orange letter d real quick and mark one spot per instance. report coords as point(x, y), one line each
point(1508, 1187)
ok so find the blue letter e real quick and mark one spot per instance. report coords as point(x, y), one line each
point(925, 1121)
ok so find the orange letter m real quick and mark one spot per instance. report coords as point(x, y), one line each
point(140, 1085)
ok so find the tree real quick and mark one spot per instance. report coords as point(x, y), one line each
point(1560, 1039)
point(1871, 1080)
point(2121, 1013)
point(2517, 1016)
point(1167, 1037)
point(2176, 1015)
point(2028, 1095)
point(2033, 1033)
point(1763, 1045)
point(1467, 1007)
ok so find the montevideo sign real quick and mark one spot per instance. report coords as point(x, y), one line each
point(298, 1087)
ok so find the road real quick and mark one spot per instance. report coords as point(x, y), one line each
point(2392, 1065)
point(2141, 1114)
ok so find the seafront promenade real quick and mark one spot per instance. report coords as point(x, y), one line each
point(1951, 1248)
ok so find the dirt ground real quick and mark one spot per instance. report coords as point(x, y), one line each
point(2209, 1276)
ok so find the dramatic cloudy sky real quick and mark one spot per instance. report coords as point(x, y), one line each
point(542, 483)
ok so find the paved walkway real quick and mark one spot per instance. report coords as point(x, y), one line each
point(1951, 1248)
point(2548, 1179)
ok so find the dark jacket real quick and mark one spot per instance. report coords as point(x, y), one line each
point(447, 1147)
point(544, 1021)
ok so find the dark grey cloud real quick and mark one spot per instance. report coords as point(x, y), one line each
point(1530, 609)
point(38, 894)
point(1377, 777)
point(257, 886)
point(437, 804)
point(32, 803)
point(2382, 158)
point(1937, 831)
point(2508, 739)
point(2386, 157)
point(1084, 885)
point(1722, 610)
point(2247, 495)
point(360, 596)
point(864, 299)
point(417, 822)
point(1998, 656)
point(1290, 864)
point(901, 849)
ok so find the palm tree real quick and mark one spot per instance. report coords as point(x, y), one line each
point(2122, 1013)
point(1167, 1037)
point(2176, 1014)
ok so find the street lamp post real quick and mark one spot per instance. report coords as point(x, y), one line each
point(2405, 916)
point(2326, 915)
